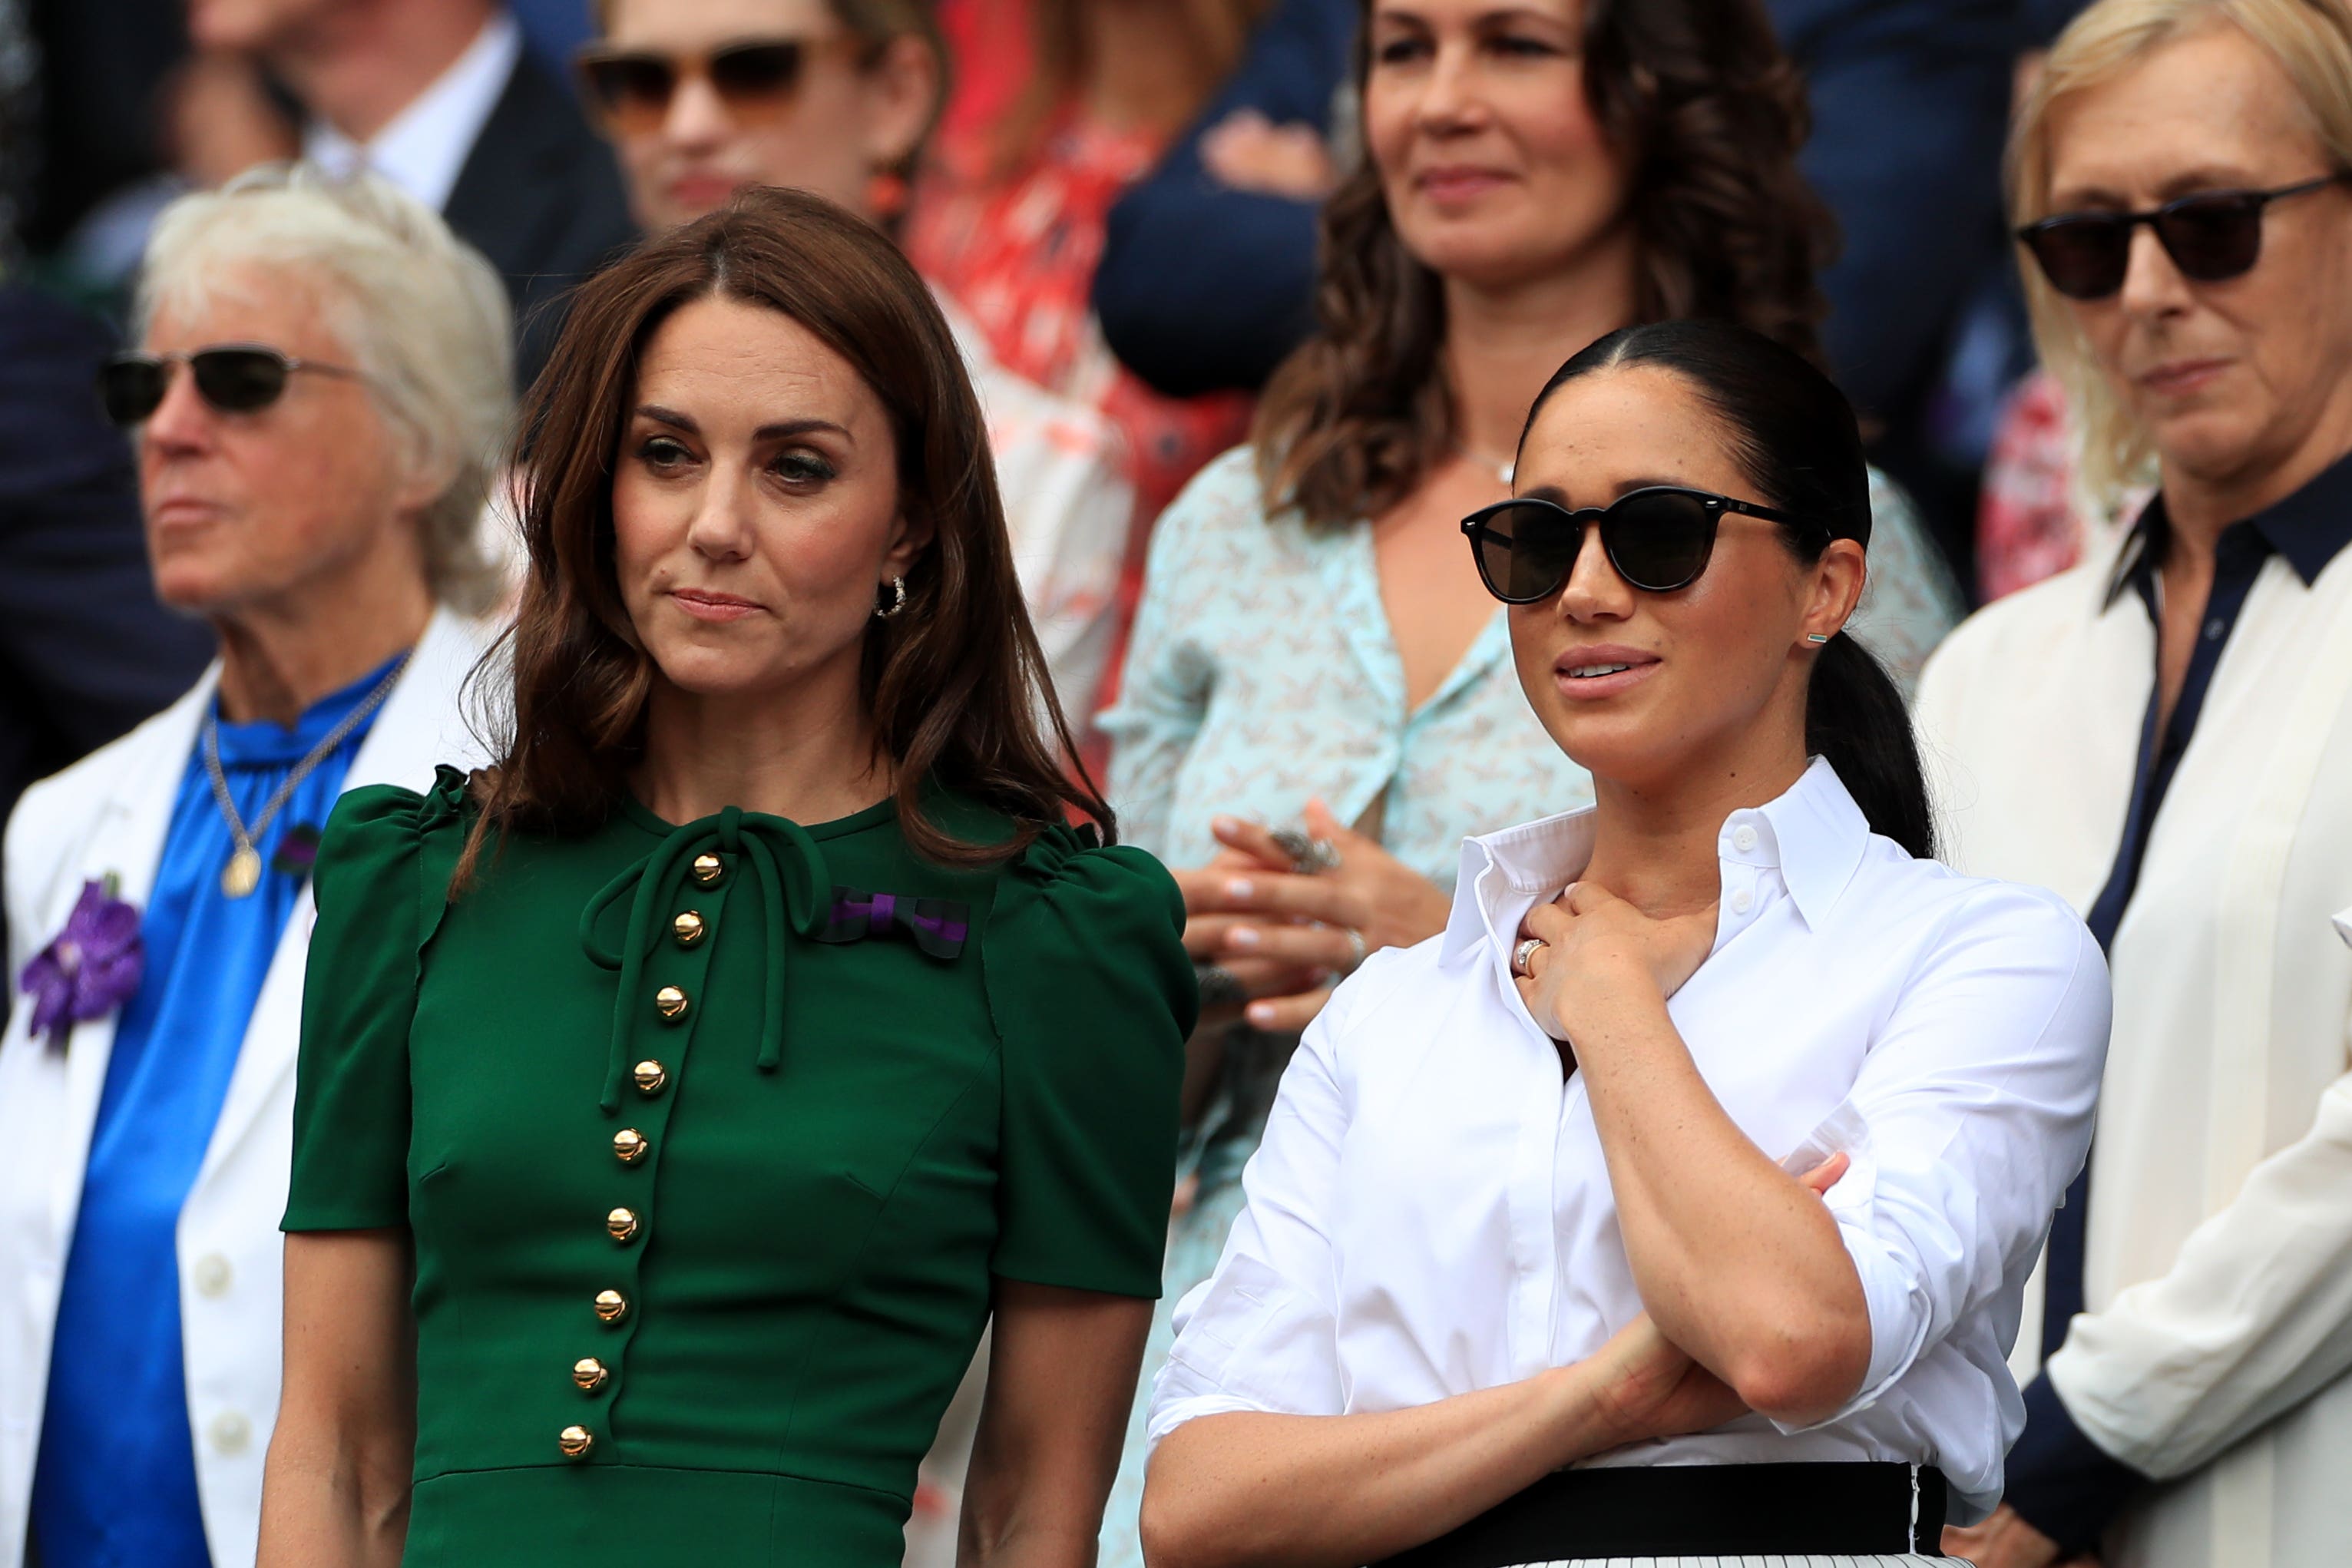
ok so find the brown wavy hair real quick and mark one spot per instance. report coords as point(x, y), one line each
point(1710, 112)
point(955, 684)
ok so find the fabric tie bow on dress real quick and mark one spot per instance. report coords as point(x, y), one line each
point(785, 863)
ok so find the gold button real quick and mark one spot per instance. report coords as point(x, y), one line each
point(589, 1373)
point(651, 1076)
point(621, 1224)
point(575, 1442)
point(670, 1003)
point(707, 870)
point(611, 1306)
point(629, 1145)
point(688, 928)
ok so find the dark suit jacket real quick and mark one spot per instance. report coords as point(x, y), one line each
point(85, 650)
point(541, 196)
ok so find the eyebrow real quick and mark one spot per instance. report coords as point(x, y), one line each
point(783, 429)
point(1559, 497)
point(2188, 182)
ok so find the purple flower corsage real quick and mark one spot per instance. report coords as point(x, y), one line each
point(89, 969)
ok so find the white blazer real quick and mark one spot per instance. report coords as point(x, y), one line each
point(108, 813)
point(2218, 1273)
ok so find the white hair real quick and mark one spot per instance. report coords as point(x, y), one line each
point(2311, 42)
point(420, 312)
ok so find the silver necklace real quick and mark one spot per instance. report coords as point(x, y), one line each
point(242, 872)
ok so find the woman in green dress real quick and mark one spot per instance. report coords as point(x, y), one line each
point(679, 1097)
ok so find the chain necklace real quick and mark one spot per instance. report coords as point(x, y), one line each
point(243, 873)
point(1501, 469)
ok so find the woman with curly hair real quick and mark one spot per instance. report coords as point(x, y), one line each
point(1318, 704)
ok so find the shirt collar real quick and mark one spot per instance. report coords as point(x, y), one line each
point(1813, 834)
point(2310, 528)
point(423, 148)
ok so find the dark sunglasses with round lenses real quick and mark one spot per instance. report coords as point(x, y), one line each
point(1658, 538)
point(2212, 237)
point(235, 378)
point(629, 91)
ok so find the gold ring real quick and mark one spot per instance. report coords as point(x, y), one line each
point(1523, 956)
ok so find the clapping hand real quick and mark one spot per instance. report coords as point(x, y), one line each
point(1284, 933)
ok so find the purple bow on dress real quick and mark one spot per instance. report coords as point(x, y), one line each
point(89, 969)
point(937, 926)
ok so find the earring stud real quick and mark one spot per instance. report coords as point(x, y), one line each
point(1817, 637)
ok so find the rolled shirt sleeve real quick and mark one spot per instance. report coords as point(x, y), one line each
point(1970, 1115)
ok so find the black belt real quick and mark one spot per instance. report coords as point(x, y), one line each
point(1697, 1510)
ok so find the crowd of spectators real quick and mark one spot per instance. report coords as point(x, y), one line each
point(1247, 350)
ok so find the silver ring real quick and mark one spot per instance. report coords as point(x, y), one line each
point(1308, 857)
point(1363, 949)
point(1524, 955)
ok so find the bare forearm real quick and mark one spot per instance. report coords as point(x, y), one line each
point(1330, 1492)
point(1737, 1261)
point(326, 1511)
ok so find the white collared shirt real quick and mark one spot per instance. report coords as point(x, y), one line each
point(423, 148)
point(1431, 1215)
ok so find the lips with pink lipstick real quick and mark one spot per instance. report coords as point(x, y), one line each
point(710, 605)
point(1603, 669)
point(1450, 185)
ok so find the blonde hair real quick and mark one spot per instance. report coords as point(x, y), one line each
point(420, 312)
point(2311, 42)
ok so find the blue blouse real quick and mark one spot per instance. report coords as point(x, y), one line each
point(115, 1482)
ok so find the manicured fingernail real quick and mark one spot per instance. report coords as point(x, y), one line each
point(1261, 1013)
point(1241, 888)
point(1221, 825)
point(1240, 936)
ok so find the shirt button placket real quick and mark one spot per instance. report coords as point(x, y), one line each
point(666, 1018)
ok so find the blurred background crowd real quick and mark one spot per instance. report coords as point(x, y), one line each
point(1119, 197)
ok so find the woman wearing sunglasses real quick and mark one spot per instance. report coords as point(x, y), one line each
point(1315, 655)
point(1532, 1268)
point(320, 388)
point(703, 98)
point(2164, 735)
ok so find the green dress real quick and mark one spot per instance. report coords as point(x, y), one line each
point(706, 1211)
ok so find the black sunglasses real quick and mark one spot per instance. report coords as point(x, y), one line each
point(235, 378)
point(1658, 538)
point(2212, 236)
point(757, 79)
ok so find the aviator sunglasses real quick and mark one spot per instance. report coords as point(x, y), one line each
point(1658, 538)
point(235, 378)
point(755, 78)
point(2212, 236)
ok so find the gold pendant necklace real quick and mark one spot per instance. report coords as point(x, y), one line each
point(242, 875)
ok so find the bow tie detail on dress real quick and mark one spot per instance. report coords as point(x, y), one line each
point(780, 857)
point(937, 926)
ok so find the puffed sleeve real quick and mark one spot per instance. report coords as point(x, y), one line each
point(1093, 997)
point(359, 994)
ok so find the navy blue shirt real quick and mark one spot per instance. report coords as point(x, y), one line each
point(2061, 1482)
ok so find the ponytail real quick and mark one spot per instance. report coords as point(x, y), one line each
point(1854, 717)
point(1795, 435)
